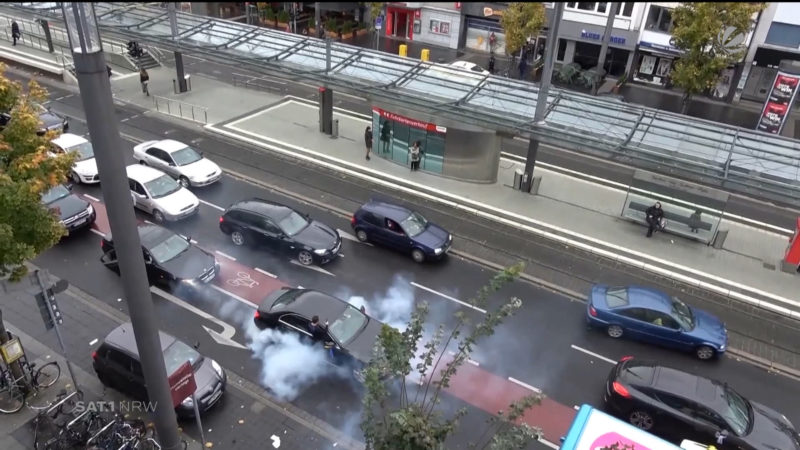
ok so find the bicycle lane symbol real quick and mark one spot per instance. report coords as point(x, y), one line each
point(242, 279)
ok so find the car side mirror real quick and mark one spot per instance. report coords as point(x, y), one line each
point(69, 186)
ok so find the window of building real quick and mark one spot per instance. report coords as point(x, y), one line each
point(586, 54)
point(625, 9)
point(562, 49)
point(659, 19)
point(587, 6)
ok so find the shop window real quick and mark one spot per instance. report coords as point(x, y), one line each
point(659, 19)
point(562, 49)
point(400, 143)
point(616, 61)
point(625, 9)
point(586, 55)
point(601, 7)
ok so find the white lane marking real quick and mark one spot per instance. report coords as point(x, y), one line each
point(525, 385)
point(558, 234)
point(125, 119)
point(92, 342)
point(225, 255)
point(350, 237)
point(452, 299)
point(218, 208)
point(147, 221)
point(265, 273)
point(300, 287)
point(312, 267)
point(473, 362)
point(549, 444)
point(193, 241)
point(234, 296)
point(591, 353)
point(98, 232)
point(91, 198)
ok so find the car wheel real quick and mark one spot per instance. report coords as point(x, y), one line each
point(641, 419)
point(705, 352)
point(158, 216)
point(142, 162)
point(417, 255)
point(238, 238)
point(75, 178)
point(615, 331)
point(305, 257)
point(361, 235)
point(184, 182)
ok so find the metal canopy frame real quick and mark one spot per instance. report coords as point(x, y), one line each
point(573, 120)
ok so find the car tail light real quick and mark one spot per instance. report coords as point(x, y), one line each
point(94, 355)
point(221, 219)
point(620, 389)
point(592, 311)
point(625, 358)
point(353, 220)
point(258, 314)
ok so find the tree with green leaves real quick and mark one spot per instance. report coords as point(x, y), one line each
point(375, 10)
point(711, 36)
point(521, 21)
point(410, 420)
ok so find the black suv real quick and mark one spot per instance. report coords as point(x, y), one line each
point(73, 212)
point(279, 227)
point(116, 362)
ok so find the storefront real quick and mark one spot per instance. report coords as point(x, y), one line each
point(402, 20)
point(655, 57)
point(481, 20)
point(581, 43)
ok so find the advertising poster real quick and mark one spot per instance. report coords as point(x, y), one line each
point(779, 101)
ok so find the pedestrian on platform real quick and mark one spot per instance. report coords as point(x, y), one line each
point(386, 135)
point(416, 154)
point(144, 78)
point(15, 34)
point(368, 140)
point(654, 216)
point(108, 69)
point(695, 221)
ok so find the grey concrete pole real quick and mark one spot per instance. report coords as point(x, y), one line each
point(173, 23)
point(98, 104)
point(541, 100)
point(612, 13)
point(317, 19)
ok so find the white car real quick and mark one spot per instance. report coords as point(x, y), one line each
point(471, 66)
point(158, 194)
point(180, 161)
point(85, 168)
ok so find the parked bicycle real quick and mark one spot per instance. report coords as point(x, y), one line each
point(47, 434)
point(12, 390)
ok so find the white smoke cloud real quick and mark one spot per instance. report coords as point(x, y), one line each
point(394, 307)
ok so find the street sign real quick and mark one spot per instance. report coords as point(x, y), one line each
point(12, 351)
point(487, 11)
point(379, 22)
point(182, 384)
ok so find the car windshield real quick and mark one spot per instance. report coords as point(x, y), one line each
point(736, 411)
point(186, 156)
point(682, 313)
point(169, 248)
point(162, 186)
point(84, 151)
point(293, 223)
point(54, 194)
point(616, 297)
point(178, 353)
point(347, 325)
point(414, 224)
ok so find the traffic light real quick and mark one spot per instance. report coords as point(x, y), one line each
point(48, 308)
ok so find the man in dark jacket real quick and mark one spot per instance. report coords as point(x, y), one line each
point(15, 34)
point(653, 216)
point(368, 140)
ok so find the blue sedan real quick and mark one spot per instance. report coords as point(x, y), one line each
point(652, 316)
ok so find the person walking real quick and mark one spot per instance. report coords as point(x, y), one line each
point(144, 78)
point(368, 140)
point(653, 216)
point(490, 68)
point(108, 69)
point(416, 154)
point(15, 34)
point(523, 66)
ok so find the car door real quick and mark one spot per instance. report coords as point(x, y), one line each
point(274, 237)
point(143, 200)
point(678, 413)
point(155, 275)
point(633, 321)
point(395, 236)
point(252, 227)
point(660, 328)
point(297, 324)
point(119, 372)
point(707, 424)
point(138, 385)
point(158, 158)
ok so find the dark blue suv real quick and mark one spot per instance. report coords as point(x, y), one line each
point(400, 228)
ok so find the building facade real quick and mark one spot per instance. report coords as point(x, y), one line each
point(435, 23)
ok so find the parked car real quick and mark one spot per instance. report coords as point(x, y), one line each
point(652, 316)
point(85, 168)
point(171, 259)
point(471, 66)
point(49, 119)
point(655, 397)
point(349, 333)
point(73, 212)
point(117, 364)
point(282, 229)
point(157, 193)
point(402, 229)
point(180, 161)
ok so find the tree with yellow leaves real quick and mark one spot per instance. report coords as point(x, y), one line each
point(27, 227)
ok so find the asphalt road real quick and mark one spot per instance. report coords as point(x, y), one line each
point(535, 347)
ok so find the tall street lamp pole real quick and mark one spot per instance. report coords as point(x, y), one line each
point(95, 88)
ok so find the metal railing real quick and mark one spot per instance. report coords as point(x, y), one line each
point(181, 109)
point(252, 82)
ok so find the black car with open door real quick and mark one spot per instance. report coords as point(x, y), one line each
point(171, 259)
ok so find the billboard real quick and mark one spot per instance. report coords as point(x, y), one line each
point(779, 102)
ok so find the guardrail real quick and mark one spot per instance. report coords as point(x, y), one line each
point(181, 109)
point(251, 83)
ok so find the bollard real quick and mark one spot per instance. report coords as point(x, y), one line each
point(188, 79)
point(175, 85)
point(403, 50)
point(425, 54)
point(518, 179)
point(335, 129)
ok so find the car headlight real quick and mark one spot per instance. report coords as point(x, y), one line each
point(188, 402)
point(321, 251)
point(190, 282)
point(90, 210)
point(217, 368)
point(437, 251)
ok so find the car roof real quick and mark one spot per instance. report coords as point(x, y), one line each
point(262, 207)
point(150, 235)
point(704, 391)
point(169, 145)
point(142, 173)
point(315, 303)
point(640, 296)
point(398, 213)
point(122, 337)
point(68, 140)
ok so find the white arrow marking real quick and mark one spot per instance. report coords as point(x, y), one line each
point(224, 338)
point(276, 441)
point(312, 267)
point(350, 237)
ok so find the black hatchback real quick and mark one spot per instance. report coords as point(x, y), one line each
point(655, 397)
point(116, 362)
point(282, 229)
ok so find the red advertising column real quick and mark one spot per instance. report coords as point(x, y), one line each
point(779, 102)
point(792, 256)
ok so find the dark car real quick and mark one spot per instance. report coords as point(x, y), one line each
point(49, 119)
point(654, 397)
point(652, 316)
point(282, 229)
point(171, 259)
point(116, 362)
point(73, 212)
point(402, 229)
point(349, 333)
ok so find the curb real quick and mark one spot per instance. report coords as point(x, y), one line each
point(765, 363)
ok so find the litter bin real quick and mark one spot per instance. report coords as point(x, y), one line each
point(335, 128)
